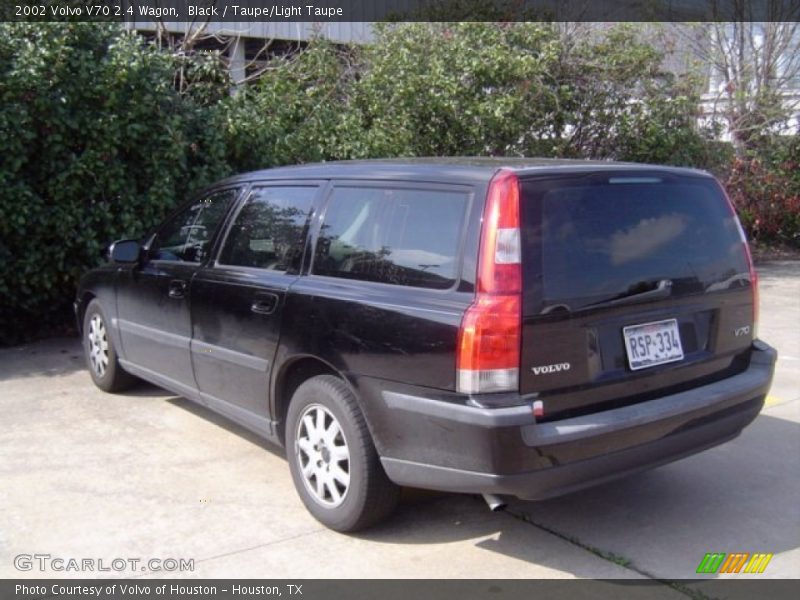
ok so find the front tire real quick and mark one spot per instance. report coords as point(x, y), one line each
point(100, 354)
point(334, 464)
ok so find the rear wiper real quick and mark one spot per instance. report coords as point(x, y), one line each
point(635, 293)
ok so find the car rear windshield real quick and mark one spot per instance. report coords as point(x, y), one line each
point(598, 238)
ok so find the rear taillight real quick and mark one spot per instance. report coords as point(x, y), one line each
point(489, 338)
point(750, 265)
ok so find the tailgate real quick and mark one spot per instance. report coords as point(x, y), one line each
point(636, 284)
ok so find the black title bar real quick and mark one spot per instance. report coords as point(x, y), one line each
point(320, 589)
point(324, 11)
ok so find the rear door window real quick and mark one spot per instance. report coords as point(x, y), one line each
point(391, 235)
point(600, 238)
point(269, 231)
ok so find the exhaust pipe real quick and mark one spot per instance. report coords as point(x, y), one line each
point(495, 503)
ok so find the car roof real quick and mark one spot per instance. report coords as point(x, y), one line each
point(446, 169)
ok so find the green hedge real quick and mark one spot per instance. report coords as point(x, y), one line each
point(100, 137)
point(96, 145)
point(437, 89)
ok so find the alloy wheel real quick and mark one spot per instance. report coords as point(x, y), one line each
point(98, 345)
point(323, 455)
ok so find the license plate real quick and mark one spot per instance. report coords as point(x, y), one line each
point(651, 344)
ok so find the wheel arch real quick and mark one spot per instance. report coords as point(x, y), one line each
point(83, 303)
point(291, 374)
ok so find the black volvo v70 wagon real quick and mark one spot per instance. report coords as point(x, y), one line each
point(502, 327)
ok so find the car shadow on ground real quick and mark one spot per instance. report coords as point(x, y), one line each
point(220, 421)
point(738, 497)
point(142, 389)
point(52, 357)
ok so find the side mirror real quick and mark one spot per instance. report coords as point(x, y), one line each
point(125, 251)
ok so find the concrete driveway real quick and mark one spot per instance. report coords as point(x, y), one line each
point(143, 475)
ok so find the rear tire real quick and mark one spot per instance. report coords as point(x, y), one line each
point(334, 464)
point(98, 349)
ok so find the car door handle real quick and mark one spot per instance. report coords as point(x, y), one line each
point(177, 288)
point(264, 304)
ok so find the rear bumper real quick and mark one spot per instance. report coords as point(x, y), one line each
point(503, 451)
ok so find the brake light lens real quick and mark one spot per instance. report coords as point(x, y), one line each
point(750, 265)
point(490, 334)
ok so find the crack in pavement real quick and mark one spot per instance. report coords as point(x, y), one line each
point(609, 556)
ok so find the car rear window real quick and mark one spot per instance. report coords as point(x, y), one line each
point(600, 237)
point(390, 235)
